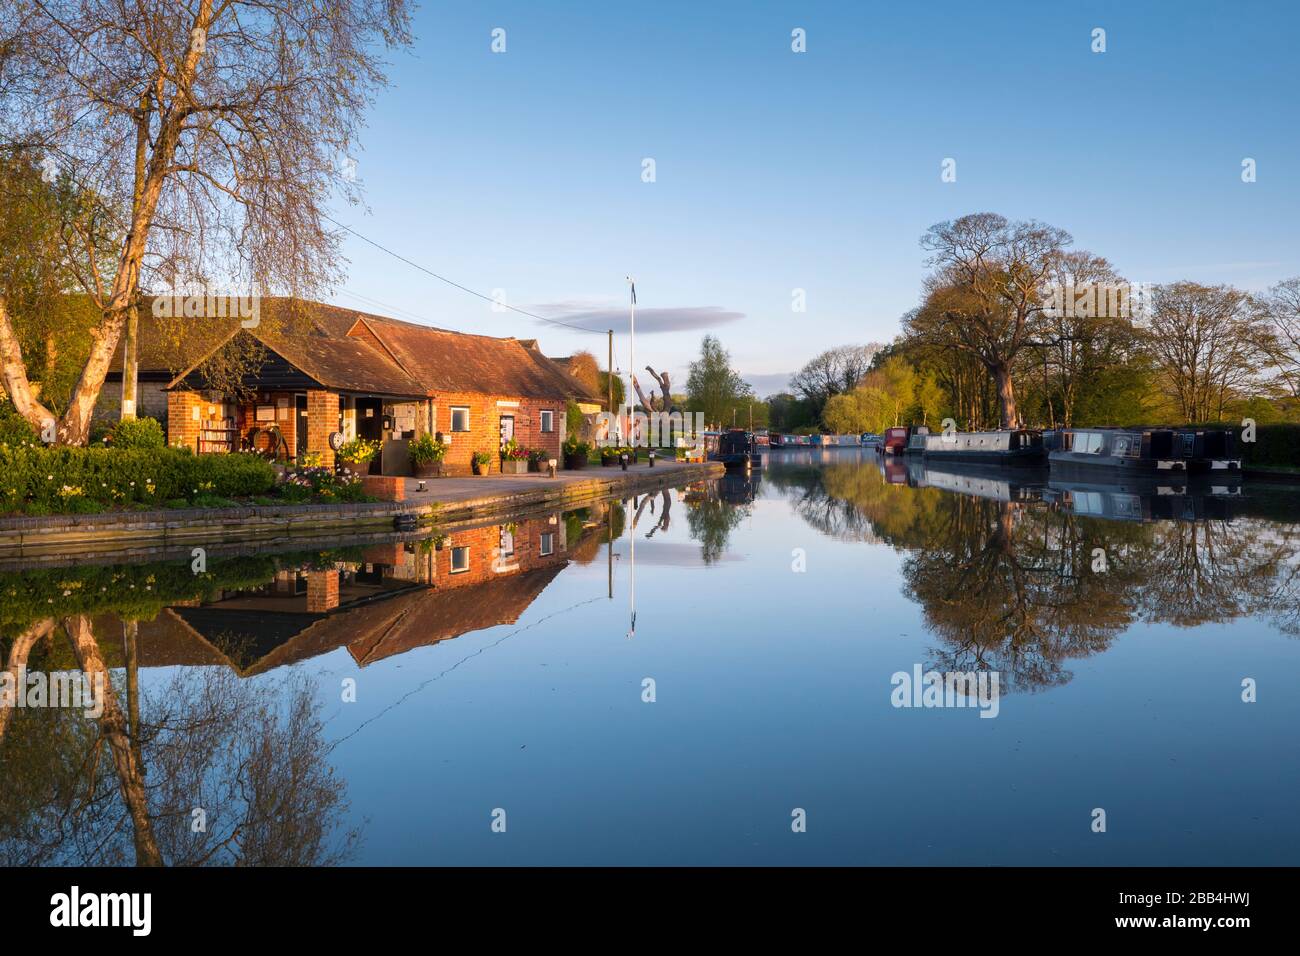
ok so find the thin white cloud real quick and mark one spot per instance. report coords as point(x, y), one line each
point(649, 320)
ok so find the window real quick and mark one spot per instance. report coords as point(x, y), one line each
point(507, 541)
point(548, 420)
point(459, 560)
point(460, 418)
point(548, 543)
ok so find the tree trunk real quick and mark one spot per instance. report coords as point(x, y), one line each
point(1006, 396)
point(19, 650)
point(18, 388)
point(112, 726)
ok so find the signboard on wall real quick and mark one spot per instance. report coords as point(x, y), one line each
point(266, 413)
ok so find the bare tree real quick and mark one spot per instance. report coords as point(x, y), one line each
point(831, 373)
point(1208, 342)
point(220, 128)
point(985, 295)
point(1281, 306)
point(1083, 335)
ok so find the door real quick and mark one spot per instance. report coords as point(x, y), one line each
point(507, 429)
point(300, 425)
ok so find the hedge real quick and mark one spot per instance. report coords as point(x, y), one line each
point(70, 479)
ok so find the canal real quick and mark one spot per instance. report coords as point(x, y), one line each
point(730, 672)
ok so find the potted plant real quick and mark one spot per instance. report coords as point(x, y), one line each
point(575, 453)
point(481, 462)
point(358, 453)
point(514, 459)
point(609, 457)
point(536, 458)
point(426, 454)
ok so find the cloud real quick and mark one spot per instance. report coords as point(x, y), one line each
point(649, 320)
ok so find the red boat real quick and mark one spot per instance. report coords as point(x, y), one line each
point(895, 442)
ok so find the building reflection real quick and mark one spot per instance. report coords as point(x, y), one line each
point(388, 600)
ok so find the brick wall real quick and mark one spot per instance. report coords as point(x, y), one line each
point(485, 552)
point(182, 427)
point(322, 591)
point(322, 420)
point(485, 427)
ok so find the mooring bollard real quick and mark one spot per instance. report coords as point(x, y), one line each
point(420, 486)
point(551, 466)
point(622, 459)
point(651, 458)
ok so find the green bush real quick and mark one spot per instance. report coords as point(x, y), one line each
point(64, 479)
point(573, 419)
point(138, 433)
point(16, 430)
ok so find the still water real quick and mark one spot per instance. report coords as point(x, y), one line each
point(405, 700)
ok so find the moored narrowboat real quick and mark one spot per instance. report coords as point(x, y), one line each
point(736, 450)
point(1120, 452)
point(1022, 447)
point(916, 437)
point(895, 440)
point(1210, 450)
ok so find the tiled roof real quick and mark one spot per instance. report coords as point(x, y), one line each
point(347, 350)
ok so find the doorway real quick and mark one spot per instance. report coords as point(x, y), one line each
point(300, 426)
point(507, 429)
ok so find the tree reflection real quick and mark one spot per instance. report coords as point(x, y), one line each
point(711, 517)
point(1024, 587)
point(205, 769)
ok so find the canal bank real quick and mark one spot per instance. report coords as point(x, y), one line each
point(122, 534)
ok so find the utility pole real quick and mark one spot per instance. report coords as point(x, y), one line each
point(609, 380)
point(130, 362)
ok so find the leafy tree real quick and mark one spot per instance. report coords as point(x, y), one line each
point(219, 130)
point(714, 387)
point(984, 296)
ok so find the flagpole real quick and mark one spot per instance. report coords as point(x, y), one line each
point(631, 353)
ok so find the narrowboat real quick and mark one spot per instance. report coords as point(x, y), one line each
point(916, 436)
point(1119, 452)
point(895, 440)
point(869, 440)
point(1210, 451)
point(1143, 499)
point(1022, 447)
point(736, 450)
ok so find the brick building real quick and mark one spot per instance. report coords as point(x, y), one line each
point(326, 375)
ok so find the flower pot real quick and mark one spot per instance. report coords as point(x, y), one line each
point(573, 462)
point(608, 462)
point(514, 466)
point(430, 469)
point(480, 469)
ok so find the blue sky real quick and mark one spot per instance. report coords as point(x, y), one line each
point(775, 170)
